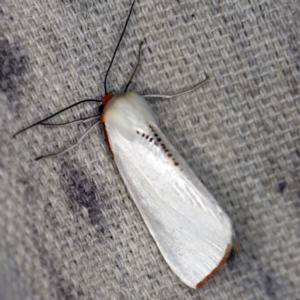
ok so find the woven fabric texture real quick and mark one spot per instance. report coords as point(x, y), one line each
point(68, 228)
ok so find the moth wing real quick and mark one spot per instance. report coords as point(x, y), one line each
point(191, 230)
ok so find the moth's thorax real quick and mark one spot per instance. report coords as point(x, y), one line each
point(126, 113)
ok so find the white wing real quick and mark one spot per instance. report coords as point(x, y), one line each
point(191, 230)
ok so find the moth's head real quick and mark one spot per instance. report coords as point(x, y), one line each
point(104, 101)
point(106, 98)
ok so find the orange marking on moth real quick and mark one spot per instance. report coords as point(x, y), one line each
point(217, 268)
point(106, 138)
point(102, 118)
point(106, 98)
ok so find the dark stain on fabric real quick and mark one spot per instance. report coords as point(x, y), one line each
point(276, 285)
point(81, 190)
point(270, 286)
point(13, 64)
point(61, 288)
point(281, 186)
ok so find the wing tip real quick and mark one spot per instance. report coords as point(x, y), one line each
point(217, 268)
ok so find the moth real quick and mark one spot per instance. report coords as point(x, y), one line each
point(191, 230)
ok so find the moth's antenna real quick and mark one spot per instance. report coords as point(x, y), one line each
point(81, 120)
point(72, 146)
point(120, 39)
point(182, 93)
point(135, 68)
point(55, 114)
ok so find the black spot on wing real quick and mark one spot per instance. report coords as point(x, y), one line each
point(158, 142)
point(81, 190)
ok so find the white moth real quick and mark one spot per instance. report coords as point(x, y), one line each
point(189, 227)
point(193, 233)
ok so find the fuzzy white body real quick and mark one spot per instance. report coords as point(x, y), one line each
point(191, 230)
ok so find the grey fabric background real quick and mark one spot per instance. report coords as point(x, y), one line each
point(68, 228)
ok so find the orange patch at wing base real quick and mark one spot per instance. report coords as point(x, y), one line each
point(107, 139)
point(217, 268)
point(102, 118)
point(106, 98)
